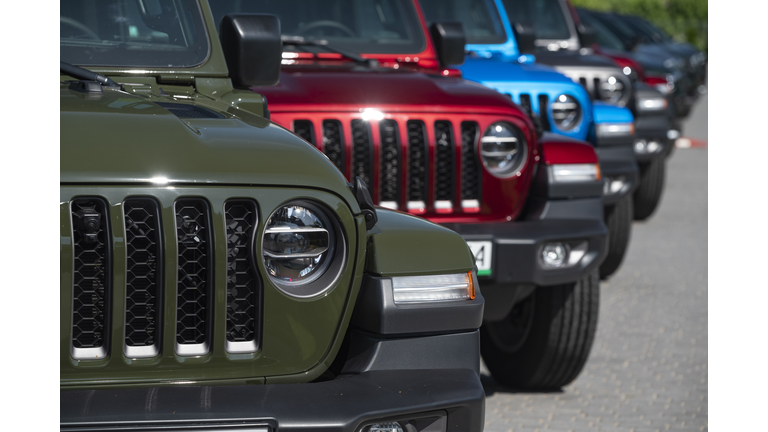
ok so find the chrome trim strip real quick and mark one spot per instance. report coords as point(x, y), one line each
point(88, 353)
point(470, 203)
point(389, 204)
point(241, 347)
point(192, 349)
point(140, 351)
point(417, 205)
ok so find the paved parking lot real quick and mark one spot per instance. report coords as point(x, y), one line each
point(648, 366)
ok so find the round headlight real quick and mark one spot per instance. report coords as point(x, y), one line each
point(503, 150)
point(301, 249)
point(566, 112)
point(612, 90)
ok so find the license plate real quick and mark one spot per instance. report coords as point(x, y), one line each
point(483, 251)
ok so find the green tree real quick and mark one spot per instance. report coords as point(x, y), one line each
point(684, 20)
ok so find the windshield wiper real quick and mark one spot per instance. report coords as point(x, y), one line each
point(85, 74)
point(321, 43)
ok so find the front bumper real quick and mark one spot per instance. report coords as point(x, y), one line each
point(348, 403)
point(517, 246)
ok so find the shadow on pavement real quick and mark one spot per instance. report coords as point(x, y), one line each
point(491, 387)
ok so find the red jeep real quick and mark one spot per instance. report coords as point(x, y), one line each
point(367, 83)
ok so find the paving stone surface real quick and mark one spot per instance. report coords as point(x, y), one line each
point(648, 367)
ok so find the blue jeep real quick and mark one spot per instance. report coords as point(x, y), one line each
point(562, 106)
point(562, 41)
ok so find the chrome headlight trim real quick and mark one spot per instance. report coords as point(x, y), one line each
point(503, 150)
point(566, 112)
point(614, 90)
point(330, 259)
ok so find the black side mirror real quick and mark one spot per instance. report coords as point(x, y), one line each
point(525, 35)
point(253, 48)
point(449, 41)
point(587, 35)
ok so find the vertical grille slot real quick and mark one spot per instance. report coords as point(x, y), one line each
point(194, 280)
point(390, 164)
point(444, 167)
point(143, 276)
point(418, 153)
point(333, 143)
point(243, 284)
point(583, 82)
point(596, 93)
point(304, 129)
point(525, 102)
point(544, 112)
point(92, 278)
point(362, 152)
point(470, 168)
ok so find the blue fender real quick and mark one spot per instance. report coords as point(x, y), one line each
point(607, 113)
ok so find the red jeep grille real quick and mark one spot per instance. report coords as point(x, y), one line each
point(426, 164)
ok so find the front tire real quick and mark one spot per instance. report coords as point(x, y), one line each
point(618, 219)
point(648, 194)
point(545, 340)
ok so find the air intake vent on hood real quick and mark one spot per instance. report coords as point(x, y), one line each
point(189, 111)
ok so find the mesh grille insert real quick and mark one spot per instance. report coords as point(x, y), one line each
point(444, 161)
point(417, 161)
point(91, 277)
point(470, 166)
point(243, 285)
point(304, 129)
point(362, 154)
point(143, 273)
point(194, 275)
point(390, 161)
point(333, 143)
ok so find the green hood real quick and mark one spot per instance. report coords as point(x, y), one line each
point(119, 137)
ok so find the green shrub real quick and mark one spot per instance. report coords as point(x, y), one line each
point(684, 20)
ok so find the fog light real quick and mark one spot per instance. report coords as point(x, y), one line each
point(385, 427)
point(436, 288)
point(554, 254)
point(673, 134)
point(653, 147)
point(640, 146)
point(614, 185)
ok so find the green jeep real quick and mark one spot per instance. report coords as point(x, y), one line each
point(218, 272)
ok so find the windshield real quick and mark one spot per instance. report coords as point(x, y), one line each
point(605, 37)
point(618, 28)
point(649, 29)
point(359, 26)
point(481, 21)
point(545, 15)
point(132, 33)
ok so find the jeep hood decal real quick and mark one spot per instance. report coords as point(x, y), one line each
point(124, 138)
point(345, 90)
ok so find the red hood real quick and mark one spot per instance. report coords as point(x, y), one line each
point(347, 89)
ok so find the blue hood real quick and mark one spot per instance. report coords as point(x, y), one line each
point(537, 81)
